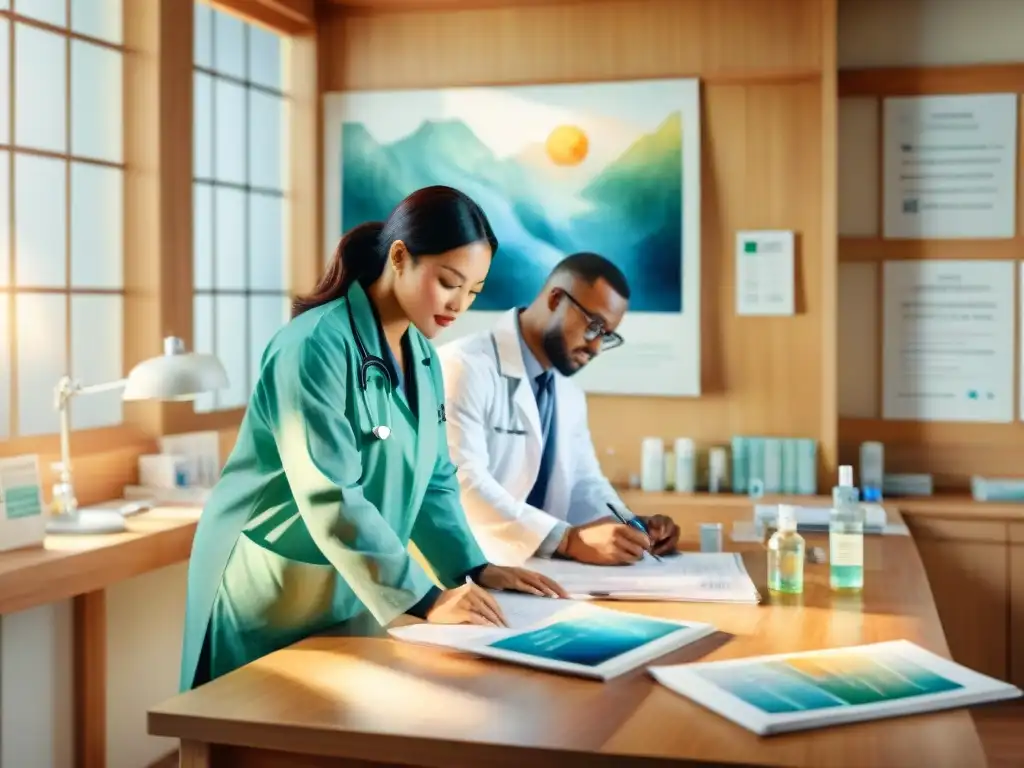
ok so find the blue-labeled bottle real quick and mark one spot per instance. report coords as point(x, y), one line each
point(846, 535)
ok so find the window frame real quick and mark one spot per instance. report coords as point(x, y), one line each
point(301, 123)
point(158, 73)
point(87, 439)
point(249, 191)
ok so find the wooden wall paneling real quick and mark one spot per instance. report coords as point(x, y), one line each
point(967, 566)
point(764, 104)
point(289, 17)
point(877, 250)
point(304, 142)
point(859, 329)
point(226, 438)
point(828, 458)
point(614, 39)
point(749, 382)
point(144, 268)
point(379, 6)
point(932, 81)
point(951, 452)
point(859, 127)
point(1016, 565)
point(158, 194)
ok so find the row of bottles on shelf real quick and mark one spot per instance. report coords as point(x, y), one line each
point(750, 465)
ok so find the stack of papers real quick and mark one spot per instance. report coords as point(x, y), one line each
point(562, 636)
point(716, 577)
point(797, 691)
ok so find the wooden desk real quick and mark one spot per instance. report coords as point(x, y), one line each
point(973, 555)
point(361, 701)
point(81, 568)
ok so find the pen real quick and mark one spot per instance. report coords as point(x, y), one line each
point(636, 524)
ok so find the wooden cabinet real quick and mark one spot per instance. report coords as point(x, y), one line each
point(968, 570)
point(1016, 568)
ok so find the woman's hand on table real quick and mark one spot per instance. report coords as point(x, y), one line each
point(468, 604)
point(499, 577)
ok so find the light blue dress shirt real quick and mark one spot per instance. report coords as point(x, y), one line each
point(533, 370)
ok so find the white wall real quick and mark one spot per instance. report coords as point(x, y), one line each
point(145, 619)
point(895, 33)
point(35, 687)
point(144, 615)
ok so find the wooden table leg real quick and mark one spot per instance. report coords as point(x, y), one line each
point(89, 655)
point(194, 754)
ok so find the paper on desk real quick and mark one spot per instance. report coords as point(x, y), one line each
point(520, 611)
point(563, 636)
point(691, 576)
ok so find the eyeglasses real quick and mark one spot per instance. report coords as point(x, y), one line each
point(595, 327)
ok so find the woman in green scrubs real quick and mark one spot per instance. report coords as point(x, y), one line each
point(342, 461)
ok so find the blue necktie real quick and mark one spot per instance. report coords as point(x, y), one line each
point(546, 409)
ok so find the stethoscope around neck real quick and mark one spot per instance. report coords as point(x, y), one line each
point(382, 431)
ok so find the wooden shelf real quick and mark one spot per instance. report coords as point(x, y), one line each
point(952, 506)
point(67, 566)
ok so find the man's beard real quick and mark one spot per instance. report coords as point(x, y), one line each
point(553, 342)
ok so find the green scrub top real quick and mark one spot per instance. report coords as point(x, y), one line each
point(309, 525)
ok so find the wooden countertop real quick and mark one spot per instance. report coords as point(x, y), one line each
point(386, 702)
point(953, 506)
point(67, 566)
point(960, 508)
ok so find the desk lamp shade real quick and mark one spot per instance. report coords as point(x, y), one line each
point(175, 375)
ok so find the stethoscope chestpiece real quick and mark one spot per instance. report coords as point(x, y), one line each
point(383, 432)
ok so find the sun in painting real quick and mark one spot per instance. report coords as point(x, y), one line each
point(567, 145)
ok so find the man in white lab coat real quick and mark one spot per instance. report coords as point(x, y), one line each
point(517, 426)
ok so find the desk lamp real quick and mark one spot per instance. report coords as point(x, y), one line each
point(174, 375)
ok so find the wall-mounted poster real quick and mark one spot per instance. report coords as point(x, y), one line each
point(948, 340)
point(950, 166)
point(607, 167)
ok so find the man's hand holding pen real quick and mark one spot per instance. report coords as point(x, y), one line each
point(618, 541)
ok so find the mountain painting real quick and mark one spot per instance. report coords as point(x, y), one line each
point(557, 169)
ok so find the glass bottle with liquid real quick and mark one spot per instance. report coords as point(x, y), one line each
point(846, 535)
point(786, 553)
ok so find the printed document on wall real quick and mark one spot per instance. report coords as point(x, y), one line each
point(950, 166)
point(764, 273)
point(948, 340)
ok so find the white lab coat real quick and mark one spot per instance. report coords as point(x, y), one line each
point(494, 436)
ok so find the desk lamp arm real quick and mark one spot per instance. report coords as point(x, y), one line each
point(64, 500)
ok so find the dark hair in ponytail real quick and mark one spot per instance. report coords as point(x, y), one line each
point(430, 221)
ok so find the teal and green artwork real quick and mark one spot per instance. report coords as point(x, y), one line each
point(603, 167)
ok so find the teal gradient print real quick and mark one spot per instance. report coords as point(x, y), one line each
point(630, 209)
point(590, 641)
point(849, 679)
point(21, 501)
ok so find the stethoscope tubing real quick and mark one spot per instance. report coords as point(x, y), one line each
point(381, 430)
